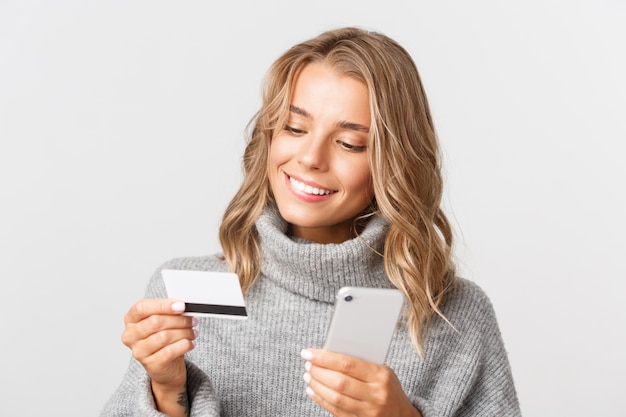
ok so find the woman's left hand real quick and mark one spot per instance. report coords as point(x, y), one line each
point(347, 386)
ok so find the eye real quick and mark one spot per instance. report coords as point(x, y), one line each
point(293, 130)
point(352, 148)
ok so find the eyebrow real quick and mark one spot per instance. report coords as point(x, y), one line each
point(342, 124)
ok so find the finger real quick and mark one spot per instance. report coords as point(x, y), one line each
point(344, 364)
point(164, 357)
point(135, 332)
point(149, 307)
point(332, 401)
point(160, 340)
point(156, 323)
point(336, 381)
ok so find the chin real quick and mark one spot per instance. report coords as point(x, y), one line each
point(298, 218)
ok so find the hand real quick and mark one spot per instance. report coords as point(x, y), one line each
point(159, 336)
point(347, 386)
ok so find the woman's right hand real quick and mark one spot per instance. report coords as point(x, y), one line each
point(159, 336)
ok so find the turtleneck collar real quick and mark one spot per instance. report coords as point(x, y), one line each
point(316, 270)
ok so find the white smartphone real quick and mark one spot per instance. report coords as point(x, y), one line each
point(364, 321)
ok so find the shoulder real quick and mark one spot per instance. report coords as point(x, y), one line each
point(470, 354)
point(468, 330)
point(466, 294)
point(468, 306)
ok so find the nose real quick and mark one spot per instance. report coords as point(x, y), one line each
point(314, 153)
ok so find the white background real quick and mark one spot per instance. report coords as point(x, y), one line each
point(121, 127)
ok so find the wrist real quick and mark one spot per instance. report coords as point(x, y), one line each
point(171, 399)
point(168, 389)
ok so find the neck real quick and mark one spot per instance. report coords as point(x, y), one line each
point(315, 270)
point(332, 234)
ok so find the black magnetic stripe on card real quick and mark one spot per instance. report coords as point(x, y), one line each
point(215, 309)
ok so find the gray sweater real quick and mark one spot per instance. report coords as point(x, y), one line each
point(253, 367)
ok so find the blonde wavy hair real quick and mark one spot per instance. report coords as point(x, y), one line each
point(404, 160)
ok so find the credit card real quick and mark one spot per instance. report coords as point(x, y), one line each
point(214, 294)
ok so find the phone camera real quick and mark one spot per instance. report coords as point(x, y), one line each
point(348, 298)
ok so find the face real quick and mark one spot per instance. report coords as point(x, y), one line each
point(318, 164)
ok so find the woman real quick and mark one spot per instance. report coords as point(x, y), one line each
point(342, 187)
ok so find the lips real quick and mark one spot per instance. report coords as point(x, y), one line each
point(309, 189)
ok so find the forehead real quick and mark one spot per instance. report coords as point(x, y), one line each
point(321, 90)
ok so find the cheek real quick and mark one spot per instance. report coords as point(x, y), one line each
point(358, 177)
point(274, 159)
point(279, 152)
point(277, 158)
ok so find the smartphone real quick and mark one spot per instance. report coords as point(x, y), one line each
point(364, 321)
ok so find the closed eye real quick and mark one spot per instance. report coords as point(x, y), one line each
point(352, 148)
point(294, 130)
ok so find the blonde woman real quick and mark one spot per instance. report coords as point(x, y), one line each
point(342, 187)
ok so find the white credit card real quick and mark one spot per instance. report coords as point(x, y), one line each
point(215, 294)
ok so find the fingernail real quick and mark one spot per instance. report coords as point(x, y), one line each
point(306, 377)
point(307, 366)
point(309, 391)
point(194, 321)
point(306, 354)
point(195, 333)
point(178, 306)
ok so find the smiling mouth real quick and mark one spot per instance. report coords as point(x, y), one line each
point(308, 189)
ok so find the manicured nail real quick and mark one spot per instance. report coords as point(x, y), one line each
point(307, 366)
point(310, 392)
point(178, 306)
point(306, 354)
point(195, 333)
point(194, 321)
point(306, 377)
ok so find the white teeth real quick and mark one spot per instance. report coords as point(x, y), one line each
point(307, 188)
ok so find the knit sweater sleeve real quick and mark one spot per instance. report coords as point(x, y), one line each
point(473, 377)
point(134, 396)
